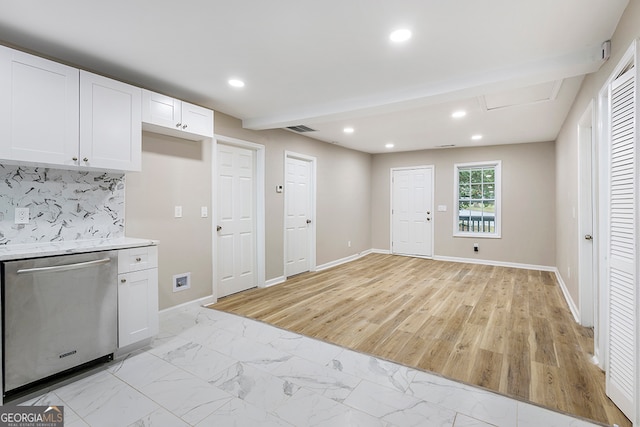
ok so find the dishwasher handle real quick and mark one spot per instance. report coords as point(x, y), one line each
point(65, 267)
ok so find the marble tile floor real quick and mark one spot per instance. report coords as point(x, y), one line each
point(209, 368)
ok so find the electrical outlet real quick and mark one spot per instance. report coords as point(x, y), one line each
point(22, 216)
point(204, 212)
point(177, 212)
point(476, 247)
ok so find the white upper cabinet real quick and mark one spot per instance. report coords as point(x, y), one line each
point(38, 109)
point(170, 116)
point(197, 120)
point(161, 110)
point(110, 124)
point(59, 116)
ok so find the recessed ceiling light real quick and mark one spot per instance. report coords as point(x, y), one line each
point(476, 137)
point(400, 35)
point(390, 145)
point(236, 83)
point(348, 130)
point(458, 114)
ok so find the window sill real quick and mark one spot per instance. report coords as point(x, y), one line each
point(478, 235)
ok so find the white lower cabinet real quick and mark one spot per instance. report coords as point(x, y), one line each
point(137, 294)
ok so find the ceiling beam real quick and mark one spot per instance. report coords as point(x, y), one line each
point(489, 81)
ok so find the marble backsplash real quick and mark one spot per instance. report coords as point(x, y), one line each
point(63, 204)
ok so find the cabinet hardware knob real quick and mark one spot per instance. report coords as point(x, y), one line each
point(85, 159)
point(178, 125)
point(138, 259)
point(428, 219)
point(123, 280)
point(75, 159)
point(184, 126)
point(218, 228)
point(308, 221)
point(588, 237)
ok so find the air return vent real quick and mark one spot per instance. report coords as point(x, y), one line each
point(300, 128)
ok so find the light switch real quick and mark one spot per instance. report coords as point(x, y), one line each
point(204, 212)
point(177, 212)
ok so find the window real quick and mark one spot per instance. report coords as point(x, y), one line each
point(477, 199)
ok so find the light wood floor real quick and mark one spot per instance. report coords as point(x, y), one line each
point(504, 329)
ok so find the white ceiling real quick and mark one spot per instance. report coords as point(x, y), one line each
point(328, 64)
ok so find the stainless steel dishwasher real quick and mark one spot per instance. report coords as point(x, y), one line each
point(59, 313)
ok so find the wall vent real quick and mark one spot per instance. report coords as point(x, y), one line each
point(300, 128)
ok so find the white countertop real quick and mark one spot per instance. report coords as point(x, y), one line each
point(34, 250)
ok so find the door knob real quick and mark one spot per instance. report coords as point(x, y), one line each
point(218, 228)
point(308, 221)
point(588, 237)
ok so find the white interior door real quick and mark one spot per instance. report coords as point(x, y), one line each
point(299, 215)
point(621, 379)
point(236, 219)
point(412, 211)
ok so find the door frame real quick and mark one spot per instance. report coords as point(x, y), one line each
point(259, 206)
point(587, 222)
point(601, 336)
point(312, 238)
point(433, 217)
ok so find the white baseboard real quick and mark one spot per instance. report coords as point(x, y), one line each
point(342, 260)
point(200, 302)
point(380, 251)
point(572, 306)
point(275, 281)
point(495, 263)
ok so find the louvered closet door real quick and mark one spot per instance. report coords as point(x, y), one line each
point(621, 372)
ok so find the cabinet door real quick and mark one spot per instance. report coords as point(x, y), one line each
point(38, 109)
point(110, 124)
point(137, 306)
point(161, 110)
point(197, 120)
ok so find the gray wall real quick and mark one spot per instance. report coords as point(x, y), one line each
point(178, 172)
point(567, 238)
point(175, 172)
point(528, 201)
point(343, 193)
